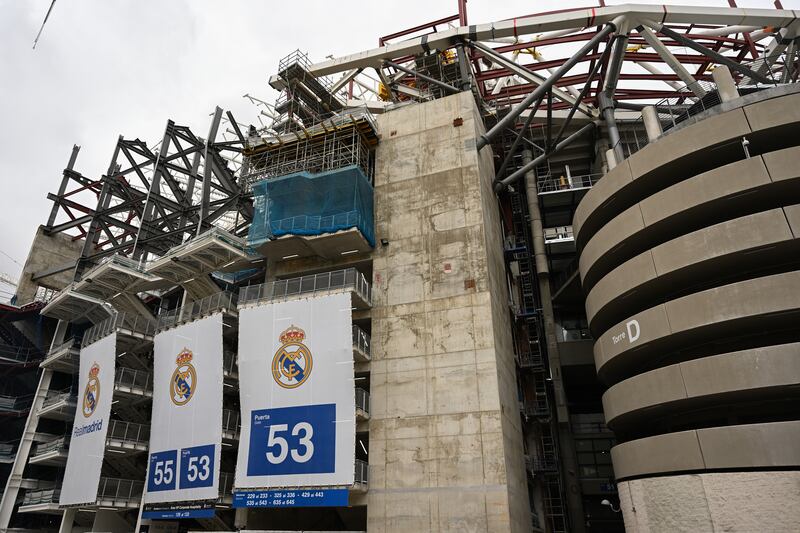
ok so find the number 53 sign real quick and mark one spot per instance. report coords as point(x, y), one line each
point(195, 469)
point(293, 440)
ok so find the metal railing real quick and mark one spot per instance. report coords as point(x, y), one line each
point(573, 334)
point(19, 355)
point(56, 396)
point(549, 184)
point(214, 233)
point(120, 260)
point(558, 234)
point(362, 400)
point(133, 379)
point(230, 420)
point(674, 110)
point(200, 308)
point(72, 342)
point(308, 285)
point(129, 432)
point(37, 497)
point(121, 321)
point(59, 444)
point(361, 340)
point(362, 472)
point(8, 449)
point(229, 365)
point(119, 489)
point(15, 403)
point(226, 483)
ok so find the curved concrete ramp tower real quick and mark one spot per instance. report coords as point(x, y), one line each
point(690, 262)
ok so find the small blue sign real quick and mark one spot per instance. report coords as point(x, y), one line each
point(292, 440)
point(163, 471)
point(178, 513)
point(292, 498)
point(197, 467)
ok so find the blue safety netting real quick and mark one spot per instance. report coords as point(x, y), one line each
point(312, 204)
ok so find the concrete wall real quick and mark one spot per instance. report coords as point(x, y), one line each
point(736, 502)
point(47, 252)
point(445, 433)
point(690, 257)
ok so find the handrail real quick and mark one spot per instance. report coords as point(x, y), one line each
point(280, 290)
point(20, 354)
point(229, 363)
point(34, 497)
point(361, 340)
point(119, 489)
point(362, 472)
point(230, 420)
point(54, 397)
point(549, 183)
point(685, 104)
point(132, 378)
point(362, 400)
point(51, 446)
point(128, 321)
point(130, 432)
point(213, 232)
point(72, 342)
point(200, 308)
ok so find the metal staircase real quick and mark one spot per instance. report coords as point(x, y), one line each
point(534, 367)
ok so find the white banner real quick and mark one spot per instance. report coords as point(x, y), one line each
point(186, 429)
point(297, 394)
point(92, 414)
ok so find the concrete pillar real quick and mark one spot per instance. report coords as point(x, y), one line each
point(240, 518)
point(67, 519)
point(725, 85)
point(611, 159)
point(651, 123)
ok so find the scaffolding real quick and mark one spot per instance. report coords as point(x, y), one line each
point(342, 140)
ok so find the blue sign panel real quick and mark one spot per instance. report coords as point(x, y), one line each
point(293, 440)
point(163, 471)
point(292, 498)
point(178, 513)
point(197, 467)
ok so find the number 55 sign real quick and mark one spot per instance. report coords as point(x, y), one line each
point(195, 469)
point(293, 440)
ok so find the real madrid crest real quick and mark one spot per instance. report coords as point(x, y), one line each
point(91, 396)
point(184, 379)
point(292, 363)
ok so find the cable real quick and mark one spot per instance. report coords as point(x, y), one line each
point(5, 254)
point(43, 23)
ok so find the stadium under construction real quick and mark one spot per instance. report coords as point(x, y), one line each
point(554, 262)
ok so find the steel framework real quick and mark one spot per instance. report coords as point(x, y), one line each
point(150, 200)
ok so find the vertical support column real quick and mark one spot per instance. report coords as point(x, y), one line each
point(463, 66)
point(63, 187)
point(725, 85)
point(651, 123)
point(24, 449)
point(207, 167)
point(611, 158)
point(67, 519)
point(240, 518)
point(567, 456)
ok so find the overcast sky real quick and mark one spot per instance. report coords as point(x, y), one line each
point(105, 67)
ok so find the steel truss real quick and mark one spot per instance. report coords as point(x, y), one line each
point(150, 200)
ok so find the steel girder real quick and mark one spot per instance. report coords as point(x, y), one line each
point(151, 200)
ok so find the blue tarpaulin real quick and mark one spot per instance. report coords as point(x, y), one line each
point(312, 204)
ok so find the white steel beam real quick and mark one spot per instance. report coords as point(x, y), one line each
point(583, 18)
